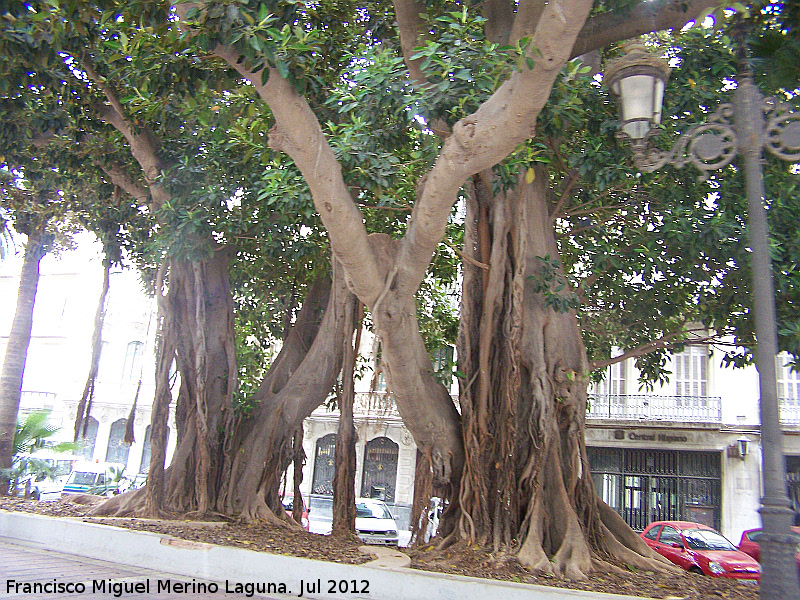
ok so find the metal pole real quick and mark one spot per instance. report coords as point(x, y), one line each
point(779, 579)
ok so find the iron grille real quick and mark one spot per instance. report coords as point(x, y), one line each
point(656, 485)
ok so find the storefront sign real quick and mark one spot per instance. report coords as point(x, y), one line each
point(665, 438)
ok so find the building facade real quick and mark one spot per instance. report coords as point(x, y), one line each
point(59, 354)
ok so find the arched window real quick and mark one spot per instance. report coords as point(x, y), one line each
point(324, 465)
point(380, 469)
point(87, 443)
point(117, 451)
point(144, 466)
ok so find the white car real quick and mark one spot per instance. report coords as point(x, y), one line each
point(374, 523)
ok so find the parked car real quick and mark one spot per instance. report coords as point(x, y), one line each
point(374, 523)
point(288, 506)
point(749, 544)
point(700, 549)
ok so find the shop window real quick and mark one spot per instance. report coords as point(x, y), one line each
point(646, 485)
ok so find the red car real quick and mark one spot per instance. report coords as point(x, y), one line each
point(700, 549)
point(749, 544)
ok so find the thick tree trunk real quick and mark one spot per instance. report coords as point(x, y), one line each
point(297, 383)
point(246, 457)
point(197, 336)
point(344, 488)
point(19, 339)
point(526, 488)
point(85, 403)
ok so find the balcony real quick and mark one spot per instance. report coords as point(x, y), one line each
point(645, 407)
point(37, 400)
point(375, 404)
point(789, 410)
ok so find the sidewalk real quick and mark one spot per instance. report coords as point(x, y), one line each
point(60, 575)
point(141, 556)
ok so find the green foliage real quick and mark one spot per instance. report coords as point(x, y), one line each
point(461, 67)
point(552, 285)
point(32, 434)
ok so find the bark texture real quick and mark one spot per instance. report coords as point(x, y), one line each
point(527, 489)
point(246, 456)
point(19, 339)
point(344, 482)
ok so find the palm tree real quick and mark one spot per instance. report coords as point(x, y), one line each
point(31, 434)
point(17, 349)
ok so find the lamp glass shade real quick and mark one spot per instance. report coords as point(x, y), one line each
point(640, 98)
point(744, 447)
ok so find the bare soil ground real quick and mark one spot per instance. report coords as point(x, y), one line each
point(457, 560)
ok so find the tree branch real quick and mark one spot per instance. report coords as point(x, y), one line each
point(412, 32)
point(297, 132)
point(487, 136)
point(145, 146)
point(499, 15)
point(667, 341)
point(645, 17)
point(529, 12)
point(120, 178)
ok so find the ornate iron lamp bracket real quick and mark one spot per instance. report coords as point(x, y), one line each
point(706, 146)
point(782, 132)
point(712, 145)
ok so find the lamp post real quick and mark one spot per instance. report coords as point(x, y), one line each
point(747, 126)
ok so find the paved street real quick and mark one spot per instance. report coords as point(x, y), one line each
point(25, 570)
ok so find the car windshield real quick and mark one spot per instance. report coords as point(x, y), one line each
point(83, 478)
point(706, 539)
point(375, 511)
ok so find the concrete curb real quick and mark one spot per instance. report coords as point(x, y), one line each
point(230, 566)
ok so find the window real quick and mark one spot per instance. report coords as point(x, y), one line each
point(133, 361)
point(670, 535)
point(691, 371)
point(87, 442)
point(788, 380)
point(117, 450)
point(324, 465)
point(613, 383)
point(144, 465)
point(380, 384)
point(652, 533)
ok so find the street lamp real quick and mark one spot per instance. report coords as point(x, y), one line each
point(746, 127)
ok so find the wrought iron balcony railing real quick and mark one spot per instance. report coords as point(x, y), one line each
point(37, 400)
point(646, 407)
point(789, 410)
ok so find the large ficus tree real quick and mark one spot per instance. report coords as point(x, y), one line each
point(514, 458)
